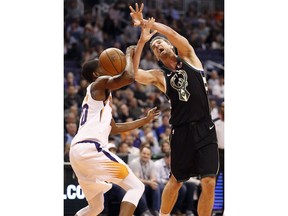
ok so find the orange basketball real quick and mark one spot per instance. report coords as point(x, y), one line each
point(113, 61)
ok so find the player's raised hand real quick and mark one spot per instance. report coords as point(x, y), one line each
point(136, 14)
point(146, 27)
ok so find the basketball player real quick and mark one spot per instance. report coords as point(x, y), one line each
point(194, 150)
point(95, 167)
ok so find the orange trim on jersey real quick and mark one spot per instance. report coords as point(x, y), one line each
point(86, 98)
point(117, 170)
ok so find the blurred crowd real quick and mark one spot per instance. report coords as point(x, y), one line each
point(93, 25)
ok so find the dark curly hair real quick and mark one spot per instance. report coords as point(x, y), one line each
point(89, 68)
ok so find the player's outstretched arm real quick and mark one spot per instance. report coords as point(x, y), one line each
point(152, 114)
point(181, 43)
point(153, 76)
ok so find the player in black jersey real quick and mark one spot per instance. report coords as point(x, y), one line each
point(194, 149)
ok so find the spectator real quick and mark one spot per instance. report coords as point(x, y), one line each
point(70, 80)
point(112, 147)
point(125, 113)
point(171, 13)
point(167, 132)
point(152, 141)
point(73, 52)
point(139, 93)
point(74, 9)
point(123, 151)
point(218, 90)
point(74, 32)
point(214, 109)
point(136, 138)
point(82, 88)
point(148, 62)
point(146, 129)
point(98, 32)
point(185, 200)
point(115, 114)
point(132, 149)
point(219, 124)
point(123, 148)
point(74, 109)
point(72, 98)
point(130, 35)
point(71, 131)
point(213, 80)
point(70, 117)
point(160, 130)
point(144, 169)
point(134, 108)
point(165, 146)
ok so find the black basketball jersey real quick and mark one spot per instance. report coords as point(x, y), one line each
point(187, 90)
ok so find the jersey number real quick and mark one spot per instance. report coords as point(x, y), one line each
point(84, 114)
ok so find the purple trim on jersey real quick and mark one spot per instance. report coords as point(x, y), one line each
point(109, 156)
point(99, 149)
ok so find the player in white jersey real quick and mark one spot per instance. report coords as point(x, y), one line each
point(95, 167)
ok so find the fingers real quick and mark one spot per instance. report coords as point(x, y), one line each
point(141, 8)
point(131, 9)
point(154, 32)
point(151, 19)
point(157, 113)
point(150, 22)
point(137, 8)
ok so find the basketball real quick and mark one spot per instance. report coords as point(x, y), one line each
point(113, 61)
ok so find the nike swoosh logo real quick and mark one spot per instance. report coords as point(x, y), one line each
point(211, 127)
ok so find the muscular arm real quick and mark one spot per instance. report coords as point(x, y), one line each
point(127, 126)
point(153, 76)
point(185, 50)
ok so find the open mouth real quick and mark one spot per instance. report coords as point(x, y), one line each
point(161, 50)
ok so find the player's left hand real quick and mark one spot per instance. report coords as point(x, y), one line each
point(136, 14)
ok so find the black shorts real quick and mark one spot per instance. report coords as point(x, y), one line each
point(194, 150)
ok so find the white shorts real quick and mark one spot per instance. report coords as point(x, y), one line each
point(94, 169)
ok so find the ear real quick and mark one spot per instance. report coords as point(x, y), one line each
point(96, 74)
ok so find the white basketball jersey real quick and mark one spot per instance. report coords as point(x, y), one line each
point(95, 120)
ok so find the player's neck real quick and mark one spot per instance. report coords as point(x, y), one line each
point(171, 63)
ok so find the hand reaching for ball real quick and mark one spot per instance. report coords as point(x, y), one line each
point(131, 50)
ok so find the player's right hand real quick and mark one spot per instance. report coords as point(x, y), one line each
point(136, 14)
